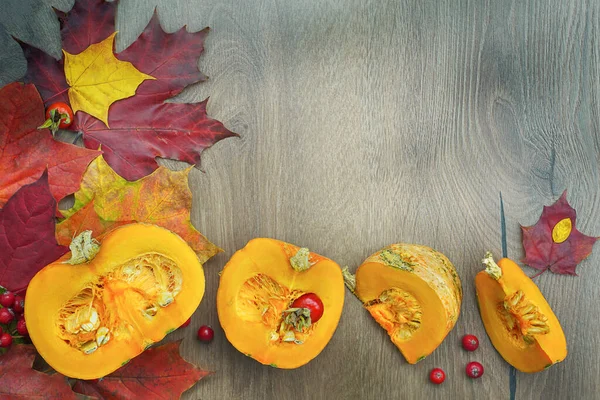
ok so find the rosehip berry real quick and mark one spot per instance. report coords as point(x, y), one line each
point(470, 342)
point(19, 305)
point(186, 323)
point(474, 369)
point(437, 376)
point(205, 334)
point(5, 340)
point(7, 299)
point(22, 328)
point(6, 316)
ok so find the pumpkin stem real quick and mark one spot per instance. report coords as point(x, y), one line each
point(83, 248)
point(350, 280)
point(491, 268)
point(299, 262)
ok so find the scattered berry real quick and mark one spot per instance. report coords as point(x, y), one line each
point(437, 376)
point(6, 316)
point(186, 323)
point(470, 342)
point(5, 340)
point(7, 299)
point(19, 305)
point(205, 334)
point(22, 328)
point(474, 369)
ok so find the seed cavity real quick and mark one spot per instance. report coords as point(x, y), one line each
point(522, 318)
point(102, 310)
point(398, 312)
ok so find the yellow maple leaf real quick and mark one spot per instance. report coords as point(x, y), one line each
point(106, 200)
point(97, 79)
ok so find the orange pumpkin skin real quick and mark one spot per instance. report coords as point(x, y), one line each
point(414, 293)
point(517, 318)
point(258, 284)
point(144, 282)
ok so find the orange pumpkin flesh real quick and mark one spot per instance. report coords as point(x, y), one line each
point(256, 287)
point(414, 293)
point(144, 282)
point(517, 317)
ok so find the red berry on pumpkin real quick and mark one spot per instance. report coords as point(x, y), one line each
point(470, 342)
point(437, 376)
point(474, 369)
point(7, 299)
point(5, 340)
point(205, 334)
point(6, 316)
point(313, 303)
point(22, 328)
point(19, 304)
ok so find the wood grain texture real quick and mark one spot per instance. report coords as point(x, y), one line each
point(365, 123)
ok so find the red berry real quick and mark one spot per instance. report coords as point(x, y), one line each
point(22, 328)
point(186, 323)
point(19, 305)
point(470, 342)
point(205, 333)
point(5, 340)
point(474, 369)
point(437, 376)
point(6, 316)
point(7, 299)
point(313, 303)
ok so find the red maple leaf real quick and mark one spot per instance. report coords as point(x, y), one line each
point(25, 151)
point(142, 127)
point(553, 242)
point(27, 242)
point(157, 373)
point(19, 381)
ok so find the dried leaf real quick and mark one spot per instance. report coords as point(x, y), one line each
point(97, 79)
point(27, 242)
point(162, 198)
point(25, 151)
point(157, 373)
point(142, 127)
point(19, 381)
point(553, 242)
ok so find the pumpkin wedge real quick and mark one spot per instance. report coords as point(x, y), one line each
point(87, 320)
point(517, 317)
point(256, 291)
point(413, 292)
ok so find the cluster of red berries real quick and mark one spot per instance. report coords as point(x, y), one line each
point(205, 333)
point(12, 308)
point(474, 369)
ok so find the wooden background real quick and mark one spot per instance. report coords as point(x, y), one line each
point(364, 123)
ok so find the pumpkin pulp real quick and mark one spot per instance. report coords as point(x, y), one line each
point(517, 317)
point(87, 319)
point(256, 290)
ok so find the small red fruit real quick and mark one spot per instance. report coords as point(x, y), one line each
point(474, 369)
point(470, 342)
point(7, 299)
point(205, 334)
point(186, 323)
point(22, 328)
point(5, 340)
point(19, 304)
point(437, 376)
point(6, 316)
point(58, 116)
point(313, 303)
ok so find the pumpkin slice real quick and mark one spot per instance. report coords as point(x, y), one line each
point(413, 292)
point(256, 290)
point(87, 320)
point(517, 317)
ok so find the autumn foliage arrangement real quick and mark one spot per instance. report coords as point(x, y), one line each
point(117, 105)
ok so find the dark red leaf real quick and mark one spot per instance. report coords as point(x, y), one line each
point(157, 373)
point(46, 73)
point(25, 151)
point(88, 22)
point(542, 252)
point(27, 241)
point(19, 381)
